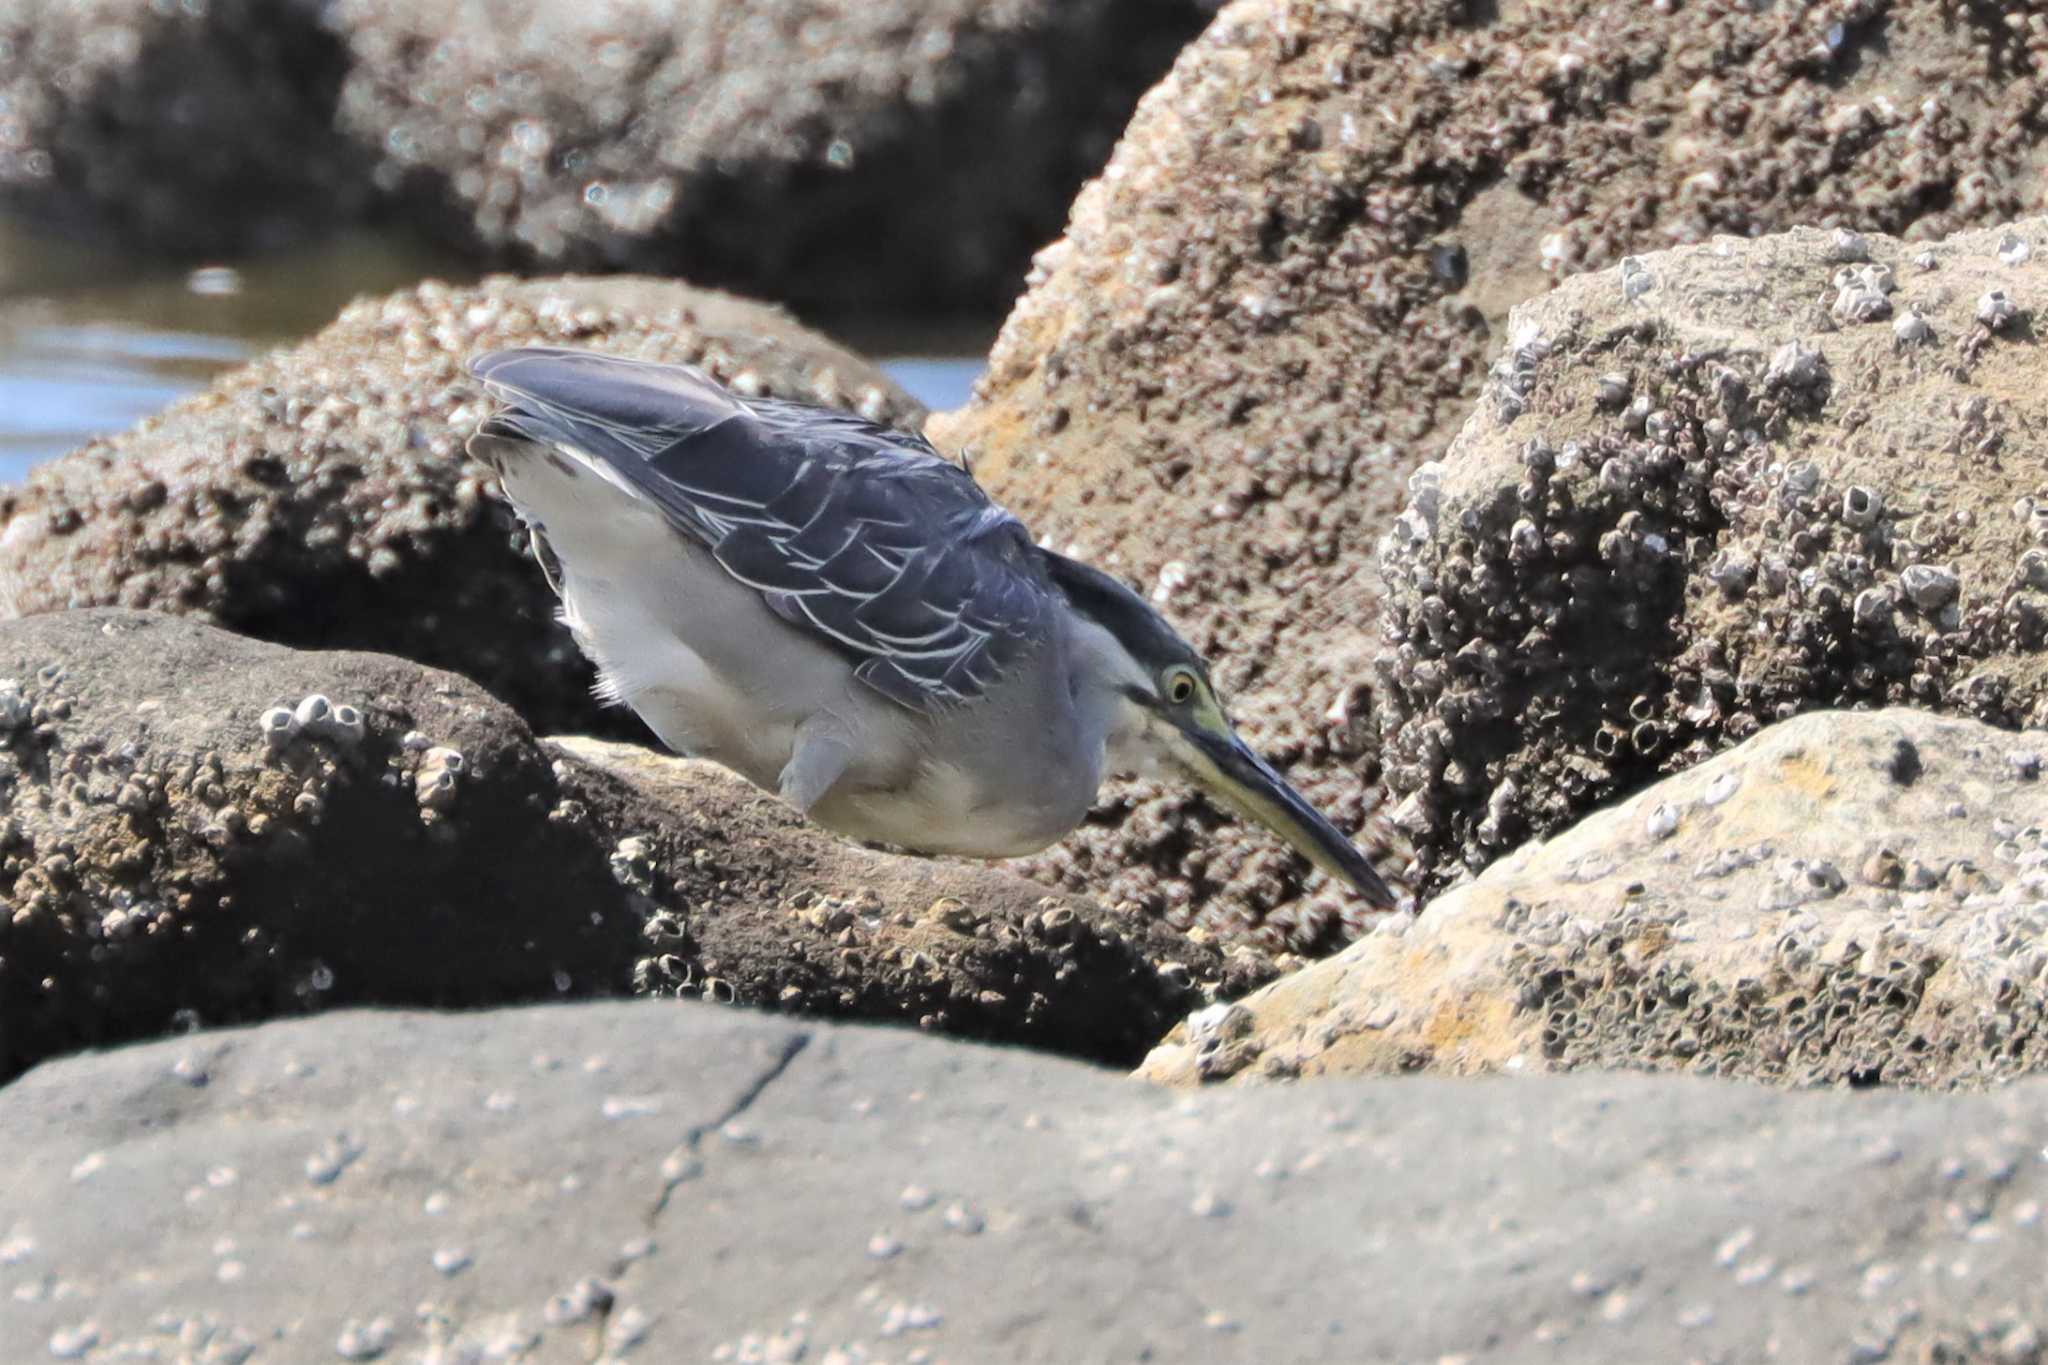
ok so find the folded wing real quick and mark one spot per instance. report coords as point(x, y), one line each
point(857, 533)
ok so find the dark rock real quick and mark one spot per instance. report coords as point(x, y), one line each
point(185, 129)
point(1801, 910)
point(895, 154)
point(197, 827)
point(905, 155)
point(1287, 289)
point(166, 861)
point(562, 1184)
point(1789, 514)
point(747, 901)
point(320, 496)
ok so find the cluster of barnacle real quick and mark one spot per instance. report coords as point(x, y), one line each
point(1835, 596)
point(1518, 689)
point(438, 776)
point(68, 840)
point(315, 717)
point(1805, 1015)
point(1641, 597)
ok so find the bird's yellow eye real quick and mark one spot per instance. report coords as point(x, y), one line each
point(1180, 686)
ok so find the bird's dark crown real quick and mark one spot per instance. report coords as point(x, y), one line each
point(1129, 618)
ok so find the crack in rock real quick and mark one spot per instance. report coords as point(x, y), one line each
point(602, 1306)
point(694, 1138)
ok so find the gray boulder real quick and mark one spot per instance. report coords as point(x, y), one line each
point(200, 828)
point(320, 496)
point(650, 1182)
point(1287, 289)
point(1848, 897)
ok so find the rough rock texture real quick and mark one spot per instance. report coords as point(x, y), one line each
point(186, 835)
point(743, 900)
point(677, 1183)
point(1854, 897)
point(1287, 287)
point(320, 496)
point(894, 153)
point(1725, 484)
point(185, 128)
point(164, 860)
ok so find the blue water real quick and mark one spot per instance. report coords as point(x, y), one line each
point(62, 386)
point(89, 347)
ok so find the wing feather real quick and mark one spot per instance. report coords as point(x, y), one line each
point(860, 534)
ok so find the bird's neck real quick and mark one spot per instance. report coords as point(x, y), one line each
point(1108, 724)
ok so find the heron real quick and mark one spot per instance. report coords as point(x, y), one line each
point(834, 611)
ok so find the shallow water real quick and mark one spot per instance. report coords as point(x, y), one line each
point(89, 345)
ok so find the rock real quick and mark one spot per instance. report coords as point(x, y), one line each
point(173, 854)
point(683, 1183)
point(1287, 287)
point(187, 129)
point(197, 827)
point(320, 496)
point(1785, 514)
point(750, 902)
point(904, 155)
point(769, 146)
point(1856, 897)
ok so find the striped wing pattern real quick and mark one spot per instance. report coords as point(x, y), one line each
point(857, 533)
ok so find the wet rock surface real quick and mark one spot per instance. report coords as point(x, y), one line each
point(1286, 291)
point(1703, 492)
point(182, 128)
point(320, 496)
point(683, 1183)
point(199, 828)
point(1849, 897)
point(889, 154)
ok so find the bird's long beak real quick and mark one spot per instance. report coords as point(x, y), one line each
point(1228, 768)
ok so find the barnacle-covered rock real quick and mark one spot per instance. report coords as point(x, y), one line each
point(1288, 288)
point(171, 849)
point(190, 839)
point(1806, 517)
point(1847, 897)
point(320, 496)
point(743, 900)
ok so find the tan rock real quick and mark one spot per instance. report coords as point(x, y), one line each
point(1716, 487)
point(1854, 897)
point(1287, 287)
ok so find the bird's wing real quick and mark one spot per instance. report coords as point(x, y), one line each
point(857, 533)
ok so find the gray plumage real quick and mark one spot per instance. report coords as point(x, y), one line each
point(863, 535)
point(844, 617)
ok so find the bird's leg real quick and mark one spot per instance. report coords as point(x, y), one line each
point(818, 760)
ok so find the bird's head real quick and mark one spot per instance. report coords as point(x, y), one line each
point(1167, 718)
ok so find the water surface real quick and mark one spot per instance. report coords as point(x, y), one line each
point(91, 344)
